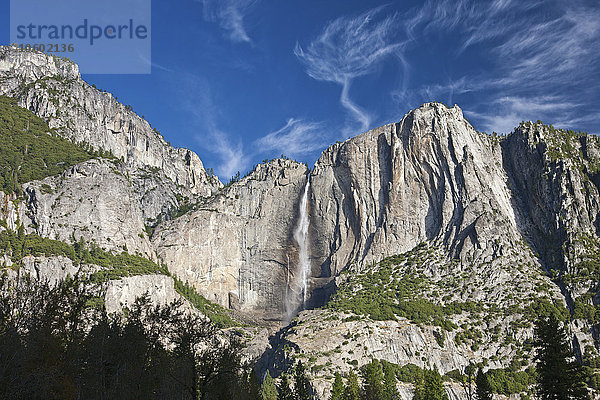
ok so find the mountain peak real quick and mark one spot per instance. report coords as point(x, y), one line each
point(32, 65)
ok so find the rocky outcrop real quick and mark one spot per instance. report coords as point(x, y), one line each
point(330, 344)
point(429, 177)
point(124, 292)
point(494, 216)
point(503, 212)
point(52, 88)
point(555, 176)
point(94, 201)
point(237, 247)
point(48, 269)
point(11, 212)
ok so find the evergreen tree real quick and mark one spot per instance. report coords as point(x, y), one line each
point(301, 383)
point(430, 386)
point(483, 388)
point(337, 390)
point(419, 388)
point(352, 389)
point(268, 390)
point(285, 392)
point(390, 390)
point(253, 385)
point(372, 374)
point(560, 376)
point(52, 346)
point(467, 380)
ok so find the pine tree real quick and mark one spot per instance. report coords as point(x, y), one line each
point(560, 376)
point(372, 374)
point(352, 389)
point(268, 390)
point(301, 383)
point(430, 386)
point(337, 390)
point(467, 380)
point(483, 388)
point(419, 388)
point(390, 390)
point(252, 385)
point(285, 392)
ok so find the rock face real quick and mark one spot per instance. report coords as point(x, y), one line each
point(493, 218)
point(94, 201)
point(556, 179)
point(430, 177)
point(49, 269)
point(124, 292)
point(502, 212)
point(237, 247)
point(53, 89)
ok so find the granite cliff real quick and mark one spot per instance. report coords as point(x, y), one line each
point(429, 243)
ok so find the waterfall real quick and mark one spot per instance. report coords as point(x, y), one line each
point(297, 289)
point(301, 237)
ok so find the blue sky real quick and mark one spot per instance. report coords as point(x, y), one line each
point(239, 81)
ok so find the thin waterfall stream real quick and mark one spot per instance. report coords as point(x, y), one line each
point(301, 237)
point(301, 278)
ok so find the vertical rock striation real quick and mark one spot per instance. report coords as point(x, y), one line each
point(52, 88)
point(430, 177)
point(236, 247)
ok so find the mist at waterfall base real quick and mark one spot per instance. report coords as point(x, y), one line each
point(297, 288)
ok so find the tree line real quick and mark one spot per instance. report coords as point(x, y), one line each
point(559, 376)
point(57, 342)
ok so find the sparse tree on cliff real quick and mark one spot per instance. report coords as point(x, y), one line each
point(337, 390)
point(268, 390)
point(483, 387)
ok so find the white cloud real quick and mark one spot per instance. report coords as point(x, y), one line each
point(297, 137)
point(349, 48)
point(196, 97)
point(510, 111)
point(541, 60)
point(229, 14)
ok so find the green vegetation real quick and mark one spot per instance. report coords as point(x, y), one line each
point(217, 314)
point(392, 288)
point(53, 346)
point(429, 386)
point(483, 387)
point(395, 287)
point(567, 144)
point(268, 390)
point(285, 390)
point(555, 363)
point(114, 266)
point(337, 390)
point(30, 150)
point(19, 245)
point(588, 265)
point(509, 380)
point(235, 178)
point(559, 376)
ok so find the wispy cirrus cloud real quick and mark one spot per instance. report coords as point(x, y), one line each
point(350, 47)
point(296, 138)
point(229, 14)
point(541, 61)
point(509, 111)
point(226, 151)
